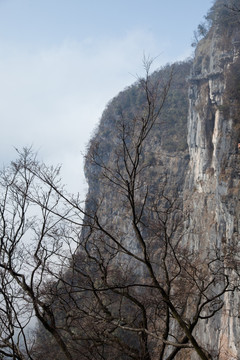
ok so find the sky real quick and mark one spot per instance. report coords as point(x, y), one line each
point(61, 62)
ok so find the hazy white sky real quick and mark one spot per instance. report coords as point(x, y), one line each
point(61, 61)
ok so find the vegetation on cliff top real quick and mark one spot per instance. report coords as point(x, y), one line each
point(170, 131)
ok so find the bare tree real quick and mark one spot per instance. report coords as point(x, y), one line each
point(31, 251)
point(103, 285)
point(151, 249)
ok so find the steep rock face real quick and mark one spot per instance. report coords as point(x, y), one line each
point(211, 189)
point(204, 177)
point(165, 151)
point(212, 184)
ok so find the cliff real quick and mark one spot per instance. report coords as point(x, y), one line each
point(156, 272)
point(168, 141)
point(209, 181)
point(212, 183)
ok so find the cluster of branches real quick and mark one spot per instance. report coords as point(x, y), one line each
point(200, 33)
point(123, 286)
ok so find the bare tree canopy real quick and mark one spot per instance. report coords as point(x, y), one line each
point(125, 286)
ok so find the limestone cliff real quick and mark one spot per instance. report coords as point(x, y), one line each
point(212, 182)
point(156, 272)
point(205, 174)
point(165, 152)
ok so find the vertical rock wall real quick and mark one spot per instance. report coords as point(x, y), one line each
point(212, 184)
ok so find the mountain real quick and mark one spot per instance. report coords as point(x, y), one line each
point(211, 187)
point(156, 274)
